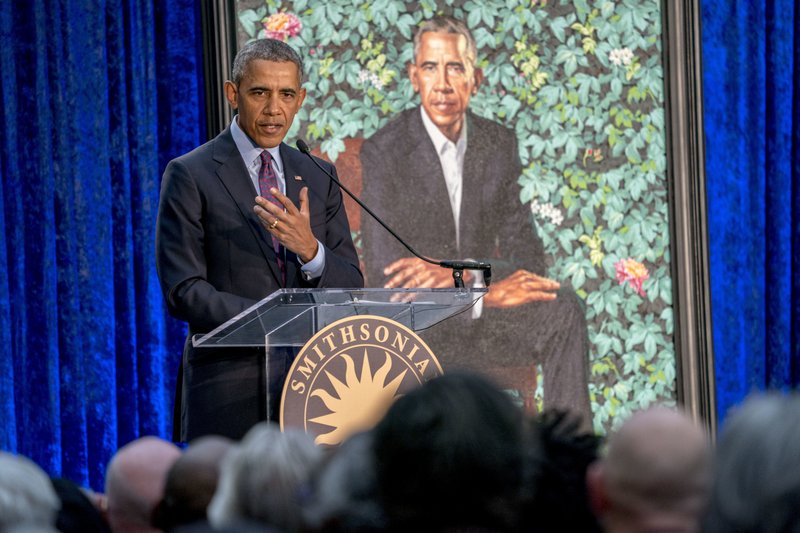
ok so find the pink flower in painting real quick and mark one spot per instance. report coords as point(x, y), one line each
point(633, 272)
point(282, 26)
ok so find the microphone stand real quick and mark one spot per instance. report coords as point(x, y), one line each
point(456, 266)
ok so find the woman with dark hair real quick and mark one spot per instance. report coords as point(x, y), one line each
point(449, 456)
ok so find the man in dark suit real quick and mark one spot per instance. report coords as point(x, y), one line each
point(239, 217)
point(446, 180)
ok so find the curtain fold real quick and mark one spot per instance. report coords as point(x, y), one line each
point(88, 94)
point(751, 87)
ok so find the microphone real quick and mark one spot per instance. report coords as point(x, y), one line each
point(457, 266)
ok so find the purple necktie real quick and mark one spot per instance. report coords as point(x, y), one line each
point(267, 180)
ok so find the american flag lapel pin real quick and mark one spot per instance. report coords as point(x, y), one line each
point(298, 178)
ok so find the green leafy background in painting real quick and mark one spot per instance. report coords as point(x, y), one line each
point(582, 85)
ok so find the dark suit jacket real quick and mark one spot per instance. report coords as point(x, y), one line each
point(404, 184)
point(214, 260)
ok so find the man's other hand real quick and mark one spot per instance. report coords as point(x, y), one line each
point(520, 288)
point(290, 225)
point(414, 273)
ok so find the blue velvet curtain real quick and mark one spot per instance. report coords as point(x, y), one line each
point(97, 96)
point(752, 119)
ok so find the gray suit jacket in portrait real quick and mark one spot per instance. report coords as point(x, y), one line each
point(215, 259)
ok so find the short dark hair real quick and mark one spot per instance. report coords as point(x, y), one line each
point(447, 25)
point(268, 50)
point(343, 496)
point(450, 454)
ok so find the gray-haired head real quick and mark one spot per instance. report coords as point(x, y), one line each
point(262, 478)
point(757, 479)
point(267, 50)
point(447, 25)
point(31, 528)
point(27, 496)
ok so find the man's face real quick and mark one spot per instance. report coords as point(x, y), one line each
point(445, 79)
point(267, 98)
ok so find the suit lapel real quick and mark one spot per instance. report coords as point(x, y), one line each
point(476, 159)
point(235, 178)
point(291, 169)
point(424, 165)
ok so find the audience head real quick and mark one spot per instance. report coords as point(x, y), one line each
point(757, 479)
point(191, 483)
point(31, 528)
point(449, 455)
point(135, 482)
point(27, 498)
point(344, 491)
point(263, 478)
point(558, 455)
point(79, 513)
point(239, 527)
point(655, 476)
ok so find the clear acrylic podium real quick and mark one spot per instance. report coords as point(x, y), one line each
point(288, 318)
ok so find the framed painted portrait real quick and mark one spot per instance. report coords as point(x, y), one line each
point(560, 140)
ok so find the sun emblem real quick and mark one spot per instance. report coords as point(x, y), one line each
point(349, 373)
point(361, 402)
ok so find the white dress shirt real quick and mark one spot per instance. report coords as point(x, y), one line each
point(451, 156)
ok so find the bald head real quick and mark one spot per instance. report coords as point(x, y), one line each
point(657, 469)
point(135, 482)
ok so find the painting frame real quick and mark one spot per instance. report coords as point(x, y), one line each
point(681, 56)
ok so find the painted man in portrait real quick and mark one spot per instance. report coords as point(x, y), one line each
point(446, 181)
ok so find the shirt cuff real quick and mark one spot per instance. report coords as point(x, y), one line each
point(477, 283)
point(313, 269)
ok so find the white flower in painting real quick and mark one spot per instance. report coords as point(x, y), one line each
point(553, 214)
point(365, 76)
point(547, 211)
point(376, 81)
point(621, 56)
point(627, 56)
